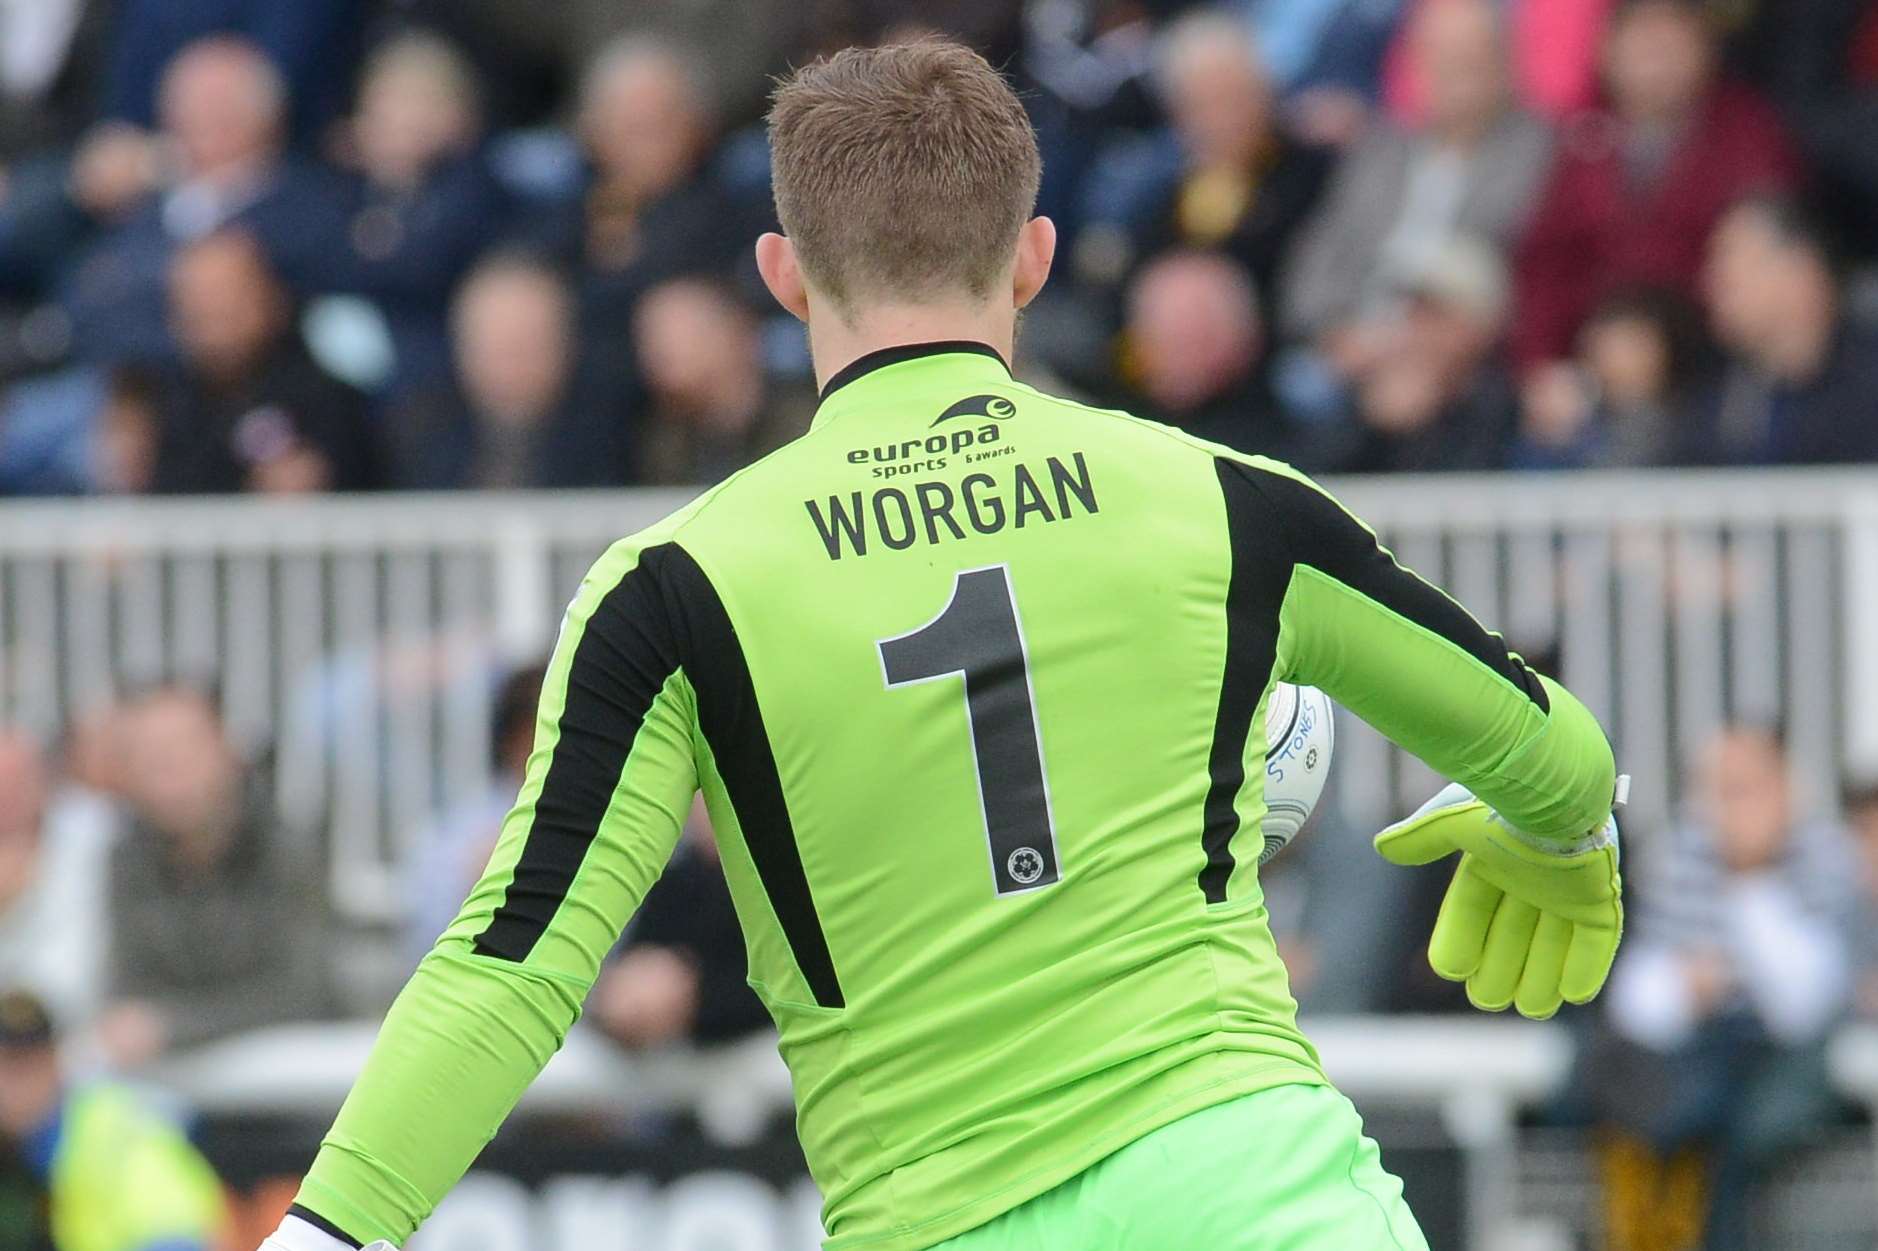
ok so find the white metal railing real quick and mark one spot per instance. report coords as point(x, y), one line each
point(356, 641)
point(360, 637)
point(1473, 1073)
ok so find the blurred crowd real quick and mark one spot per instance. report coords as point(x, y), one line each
point(1751, 939)
point(355, 244)
point(153, 899)
point(335, 245)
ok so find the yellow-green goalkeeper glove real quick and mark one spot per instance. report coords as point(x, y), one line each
point(1527, 921)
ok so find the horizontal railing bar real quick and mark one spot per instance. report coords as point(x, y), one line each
point(1501, 502)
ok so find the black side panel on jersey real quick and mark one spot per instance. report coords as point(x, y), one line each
point(625, 656)
point(732, 722)
point(1261, 568)
point(1322, 535)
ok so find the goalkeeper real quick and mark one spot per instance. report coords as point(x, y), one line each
point(967, 676)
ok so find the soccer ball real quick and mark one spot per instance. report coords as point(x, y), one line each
point(1299, 735)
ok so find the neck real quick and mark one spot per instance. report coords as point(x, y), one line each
point(835, 343)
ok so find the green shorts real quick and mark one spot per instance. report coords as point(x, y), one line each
point(1285, 1169)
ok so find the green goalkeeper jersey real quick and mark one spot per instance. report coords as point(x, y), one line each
point(969, 676)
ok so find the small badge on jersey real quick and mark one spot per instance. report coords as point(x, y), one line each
point(1025, 865)
point(995, 407)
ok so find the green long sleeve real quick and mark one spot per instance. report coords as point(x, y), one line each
point(1414, 664)
point(607, 790)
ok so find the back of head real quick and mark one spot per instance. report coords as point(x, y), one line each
point(29, 1065)
point(903, 172)
point(512, 720)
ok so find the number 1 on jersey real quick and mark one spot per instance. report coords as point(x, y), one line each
point(977, 635)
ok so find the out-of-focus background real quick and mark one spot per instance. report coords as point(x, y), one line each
point(1573, 298)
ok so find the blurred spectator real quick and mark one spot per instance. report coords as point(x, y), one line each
point(681, 973)
point(81, 429)
point(991, 26)
point(45, 60)
point(1626, 403)
point(95, 748)
point(1801, 379)
point(447, 857)
point(1326, 59)
point(1733, 973)
point(53, 846)
point(127, 438)
point(1338, 919)
point(1636, 188)
point(117, 1176)
point(204, 885)
point(223, 108)
point(314, 42)
point(711, 408)
point(1192, 353)
point(251, 410)
point(1822, 57)
point(49, 55)
point(422, 203)
point(1090, 63)
point(1434, 395)
point(1227, 177)
point(45, 431)
point(1472, 167)
point(1861, 815)
point(520, 413)
point(650, 209)
point(1553, 50)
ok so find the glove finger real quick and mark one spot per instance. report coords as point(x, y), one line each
point(1509, 938)
point(1421, 840)
point(1538, 995)
point(1460, 931)
point(1588, 960)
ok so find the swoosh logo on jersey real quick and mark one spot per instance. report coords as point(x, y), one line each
point(995, 407)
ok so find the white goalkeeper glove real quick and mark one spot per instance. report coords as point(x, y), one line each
point(296, 1234)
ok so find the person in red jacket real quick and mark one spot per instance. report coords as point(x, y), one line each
point(1637, 186)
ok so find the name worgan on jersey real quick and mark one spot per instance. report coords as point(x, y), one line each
point(929, 511)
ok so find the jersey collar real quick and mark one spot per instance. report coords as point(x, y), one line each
point(963, 359)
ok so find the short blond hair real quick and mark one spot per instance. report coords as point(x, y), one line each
point(903, 171)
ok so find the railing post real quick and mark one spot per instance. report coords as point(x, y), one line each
point(1859, 555)
point(523, 562)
